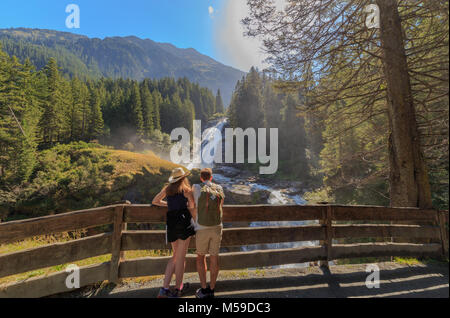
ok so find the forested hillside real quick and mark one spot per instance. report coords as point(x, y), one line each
point(118, 57)
point(79, 175)
point(40, 109)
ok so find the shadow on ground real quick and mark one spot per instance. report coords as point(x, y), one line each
point(338, 281)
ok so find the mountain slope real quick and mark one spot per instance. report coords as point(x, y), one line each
point(126, 57)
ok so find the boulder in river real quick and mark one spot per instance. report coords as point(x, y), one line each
point(244, 194)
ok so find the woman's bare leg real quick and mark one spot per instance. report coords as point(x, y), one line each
point(180, 258)
point(170, 268)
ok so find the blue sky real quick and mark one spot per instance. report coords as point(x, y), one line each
point(210, 26)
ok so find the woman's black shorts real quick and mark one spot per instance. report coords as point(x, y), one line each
point(179, 225)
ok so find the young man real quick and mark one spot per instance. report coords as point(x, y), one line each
point(209, 199)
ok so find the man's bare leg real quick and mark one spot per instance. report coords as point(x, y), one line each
point(214, 270)
point(201, 269)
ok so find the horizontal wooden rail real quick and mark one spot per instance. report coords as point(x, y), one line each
point(55, 254)
point(156, 265)
point(18, 230)
point(232, 213)
point(374, 213)
point(384, 231)
point(54, 283)
point(385, 249)
point(148, 240)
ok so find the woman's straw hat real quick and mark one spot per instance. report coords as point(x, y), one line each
point(177, 174)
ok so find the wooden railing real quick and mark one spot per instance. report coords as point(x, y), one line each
point(328, 228)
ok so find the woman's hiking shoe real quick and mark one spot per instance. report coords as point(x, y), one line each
point(175, 294)
point(167, 293)
point(185, 287)
point(164, 293)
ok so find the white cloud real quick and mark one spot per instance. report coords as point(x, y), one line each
point(211, 10)
point(232, 47)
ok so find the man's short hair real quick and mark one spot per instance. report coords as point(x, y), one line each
point(206, 174)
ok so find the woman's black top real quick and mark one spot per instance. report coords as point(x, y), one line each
point(178, 218)
point(177, 202)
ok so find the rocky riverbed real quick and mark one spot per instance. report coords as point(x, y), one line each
point(243, 187)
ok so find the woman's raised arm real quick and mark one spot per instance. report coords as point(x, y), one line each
point(158, 200)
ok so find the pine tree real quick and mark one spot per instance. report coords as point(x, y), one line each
point(293, 139)
point(157, 100)
point(272, 107)
point(96, 123)
point(74, 112)
point(135, 107)
point(85, 112)
point(51, 122)
point(148, 110)
point(219, 103)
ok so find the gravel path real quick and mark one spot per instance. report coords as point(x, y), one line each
point(341, 281)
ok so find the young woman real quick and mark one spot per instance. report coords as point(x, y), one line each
point(181, 210)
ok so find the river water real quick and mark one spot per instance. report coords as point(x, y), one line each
point(228, 177)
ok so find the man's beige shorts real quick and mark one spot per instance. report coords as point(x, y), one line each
point(208, 240)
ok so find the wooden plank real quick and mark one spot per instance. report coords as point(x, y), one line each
point(232, 213)
point(385, 249)
point(366, 213)
point(385, 230)
point(148, 240)
point(54, 283)
point(148, 266)
point(18, 230)
point(54, 254)
point(268, 235)
point(144, 213)
point(238, 213)
point(116, 244)
point(443, 233)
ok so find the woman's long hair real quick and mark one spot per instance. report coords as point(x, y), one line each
point(178, 187)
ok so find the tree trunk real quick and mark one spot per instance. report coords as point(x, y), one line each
point(409, 183)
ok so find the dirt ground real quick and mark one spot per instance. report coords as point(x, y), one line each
point(342, 281)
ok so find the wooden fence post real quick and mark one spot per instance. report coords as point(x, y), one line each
point(116, 244)
point(329, 233)
point(444, 233)
point(124, 228)
point(326, 221)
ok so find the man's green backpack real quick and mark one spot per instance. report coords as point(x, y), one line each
point(210, 205)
